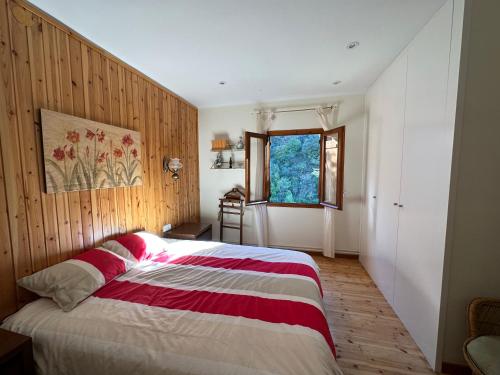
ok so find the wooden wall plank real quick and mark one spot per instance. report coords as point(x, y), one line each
point(156, 163)
point(191, 166)
point(79, 103)
point(53, 102)
point(106, 196)
point(143, 122)
point(159, 145)
point(196, 171)
point(164, 153)
point(28, 133)
point(195, 199)
point(8, 302)
point(43, 64)
point(176, 143)
point(118, 204)
point(127, 108)
point(63, 70)
point(137, 208)
point(183, 155)
point(150, 124)
point(38, 54)
point(143, 113)
point(93, 110)
point(13, 172)
point(172, 151)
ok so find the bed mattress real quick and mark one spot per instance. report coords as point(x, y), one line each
point(199, 308)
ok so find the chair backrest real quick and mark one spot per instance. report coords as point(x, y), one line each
point(483, 315)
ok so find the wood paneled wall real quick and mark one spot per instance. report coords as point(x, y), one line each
point(43, 64)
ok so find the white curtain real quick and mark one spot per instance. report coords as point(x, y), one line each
point(264, 122)
point(323, 115)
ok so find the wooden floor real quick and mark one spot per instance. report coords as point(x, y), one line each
point(369, 337)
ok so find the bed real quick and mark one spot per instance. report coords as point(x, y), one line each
point(196, 308)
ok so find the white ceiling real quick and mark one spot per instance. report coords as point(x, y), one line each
point(266, 50)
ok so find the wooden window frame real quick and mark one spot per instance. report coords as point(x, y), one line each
point(265, 166)
point(295, 132)
point(267, 160)
point(339, 204)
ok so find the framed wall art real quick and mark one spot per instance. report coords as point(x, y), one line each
point(81, 154)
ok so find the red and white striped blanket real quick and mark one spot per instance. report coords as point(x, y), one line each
point(199, 308)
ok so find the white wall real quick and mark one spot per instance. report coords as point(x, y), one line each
point(474, 217)
point(410, 128)
point(297, 228)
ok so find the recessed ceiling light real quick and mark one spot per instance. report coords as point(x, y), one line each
point(337, 82)
point(352, 45)
point(222, 83)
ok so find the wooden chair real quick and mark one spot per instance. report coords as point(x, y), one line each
point(482, 348)
point(232, 204)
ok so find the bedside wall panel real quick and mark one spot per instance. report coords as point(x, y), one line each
point(44, 64)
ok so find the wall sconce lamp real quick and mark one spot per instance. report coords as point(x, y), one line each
point(173, 165)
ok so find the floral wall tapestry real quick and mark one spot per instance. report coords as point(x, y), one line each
point(80, 154)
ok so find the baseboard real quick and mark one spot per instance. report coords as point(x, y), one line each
point(454, 369)
point(338, 253)
point(298, 248)
point(313, 250)
point(346, 255)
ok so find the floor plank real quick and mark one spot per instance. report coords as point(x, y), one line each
point(369, 337)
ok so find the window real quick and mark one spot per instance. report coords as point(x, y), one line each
point(297, 168)
point(294, 166)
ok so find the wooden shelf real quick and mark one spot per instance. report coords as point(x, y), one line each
point(225, 165)
point(240, 168)
point(232, 148)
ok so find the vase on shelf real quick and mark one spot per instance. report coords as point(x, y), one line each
point(219, 160)
point(240, 145)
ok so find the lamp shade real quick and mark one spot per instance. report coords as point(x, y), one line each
point(174, 164)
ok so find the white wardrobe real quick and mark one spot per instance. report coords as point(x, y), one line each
point(410, 119)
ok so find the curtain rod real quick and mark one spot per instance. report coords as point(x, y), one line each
point(334, 106)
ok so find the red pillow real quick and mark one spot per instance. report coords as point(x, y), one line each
point(136, 246)
point(106, 262)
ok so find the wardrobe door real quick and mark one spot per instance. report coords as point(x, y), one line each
point(392, 108)
point(385, 111)
point(367, 254)
point(425, 182)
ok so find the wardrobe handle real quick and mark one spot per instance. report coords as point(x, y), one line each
point(394, 204)
point(400, 205)
point(374, 196)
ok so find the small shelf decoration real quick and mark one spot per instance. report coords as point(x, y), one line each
point(240, 145)
point(224, 161)
point(220, 144)
point(219, 160)
point(225, 165)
